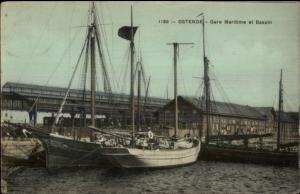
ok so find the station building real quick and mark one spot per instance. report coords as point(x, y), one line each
point(225, 119)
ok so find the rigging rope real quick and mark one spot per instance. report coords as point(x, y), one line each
point(125, 71)
point(105, 42)
point(86, 155)
point(55, 69)
point(143, 71)
point(107, 85)
point(69, 85)
point(86, 60)
point(288, 100)
point(145, 100)
point(227, 102)
point(198, 89)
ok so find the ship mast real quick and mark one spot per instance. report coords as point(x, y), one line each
point(175, 88)
point(139, 101)
point(280, 109)
point(127, 33)
point(176, 48)
point(93, 67)
point(132, 76)
point(206, 83)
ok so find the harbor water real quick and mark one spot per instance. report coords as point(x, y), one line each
point(200, 177)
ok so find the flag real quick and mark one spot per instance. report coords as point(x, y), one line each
point(125, 32)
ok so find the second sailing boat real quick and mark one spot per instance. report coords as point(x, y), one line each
point(152, 151)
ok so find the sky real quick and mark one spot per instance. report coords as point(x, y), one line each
point(41, 42)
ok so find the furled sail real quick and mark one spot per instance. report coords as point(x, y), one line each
point(125, 32)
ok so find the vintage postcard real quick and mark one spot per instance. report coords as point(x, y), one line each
point(150, 97)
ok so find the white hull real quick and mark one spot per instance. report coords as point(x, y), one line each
point(139, 158)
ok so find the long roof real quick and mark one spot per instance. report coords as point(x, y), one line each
point(8, 85)
point(227, 109)
point(237, 110)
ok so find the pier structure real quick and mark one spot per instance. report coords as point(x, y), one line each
point(36, 98)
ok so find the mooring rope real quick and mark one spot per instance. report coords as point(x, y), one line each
point(85, 156)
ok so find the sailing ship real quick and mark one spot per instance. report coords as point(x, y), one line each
point(152, 151)
point(210, 151)
point(65, 151)
point(262, 156)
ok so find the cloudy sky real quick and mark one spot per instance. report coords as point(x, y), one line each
point(41, 41)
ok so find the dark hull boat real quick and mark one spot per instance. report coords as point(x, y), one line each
point(66, 152)
point(61, 151)
point(229, 154)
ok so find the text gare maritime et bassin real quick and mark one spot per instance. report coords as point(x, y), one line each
point(188, 21)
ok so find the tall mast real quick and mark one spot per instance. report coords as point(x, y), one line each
point(93, 68)
point(280, 109)
point(206, 84)
point(127, 33)
point(139, 100)
point(175, 88)
point(176, 48)
point(132, 75)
